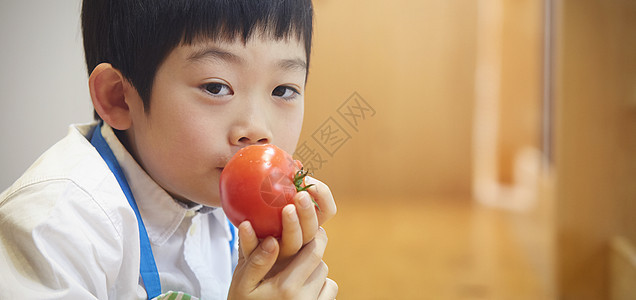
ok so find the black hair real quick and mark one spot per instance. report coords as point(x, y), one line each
point(135, 36)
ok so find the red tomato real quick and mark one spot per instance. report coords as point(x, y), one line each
point(255, 185)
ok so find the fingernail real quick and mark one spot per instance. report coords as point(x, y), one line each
point(268, 245)
point(304, 200)
point(246, 226)
point(310, 180)
point(291, 212)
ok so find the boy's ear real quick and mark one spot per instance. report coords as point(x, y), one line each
point(106, 85)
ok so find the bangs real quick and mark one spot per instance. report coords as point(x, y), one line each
point(230, 20)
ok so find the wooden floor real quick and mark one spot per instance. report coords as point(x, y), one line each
point(437, 249)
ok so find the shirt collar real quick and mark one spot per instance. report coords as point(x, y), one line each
point(161, 214)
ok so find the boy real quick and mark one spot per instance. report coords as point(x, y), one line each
point(127, 208)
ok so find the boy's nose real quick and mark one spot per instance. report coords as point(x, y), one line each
point(251, 133)
point(245, 141)
point(251, 128)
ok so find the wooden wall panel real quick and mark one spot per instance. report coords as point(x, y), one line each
point(595, 139)
point(413, 62)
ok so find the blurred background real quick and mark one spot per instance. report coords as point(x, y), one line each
point(476, 149)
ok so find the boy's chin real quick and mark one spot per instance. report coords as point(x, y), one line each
point(212, 201)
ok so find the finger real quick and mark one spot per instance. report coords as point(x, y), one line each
point(291, 239)
point(329, 290)
point(306, 261)
point(321, 193)
point(307, 215)
point(316, 280)
point(247, 239)
point(258, 264)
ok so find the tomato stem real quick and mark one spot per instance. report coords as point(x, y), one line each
point(299, 180)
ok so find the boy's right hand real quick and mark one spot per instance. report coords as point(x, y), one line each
point(303, 277)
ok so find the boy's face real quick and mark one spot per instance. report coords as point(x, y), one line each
point(209, 100)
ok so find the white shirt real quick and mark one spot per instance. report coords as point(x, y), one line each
point(68, 232)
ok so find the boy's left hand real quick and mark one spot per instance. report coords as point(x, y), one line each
point(301, 223)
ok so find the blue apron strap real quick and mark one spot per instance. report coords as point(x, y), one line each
point(233, 255)
point(147, 268)
point(233, 232)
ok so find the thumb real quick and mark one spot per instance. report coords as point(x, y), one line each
point(259, 263)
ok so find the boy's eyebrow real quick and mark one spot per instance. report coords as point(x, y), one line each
point(214, 53)
point(293, 64)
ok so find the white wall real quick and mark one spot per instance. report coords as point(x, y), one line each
point(43, 81)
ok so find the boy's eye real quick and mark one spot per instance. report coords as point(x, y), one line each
point(218, 89)
point(285, 92)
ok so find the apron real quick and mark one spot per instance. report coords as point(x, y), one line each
point(147, 266)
